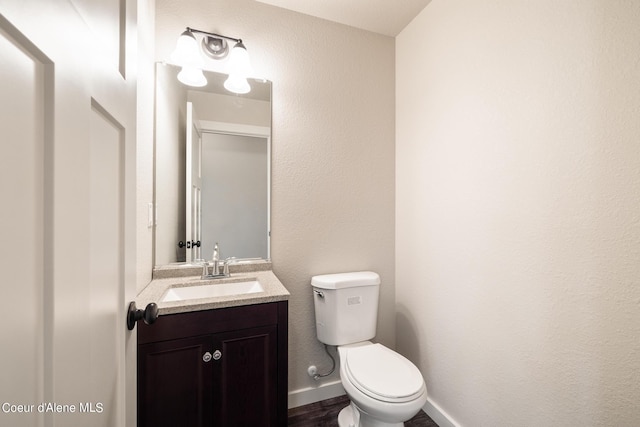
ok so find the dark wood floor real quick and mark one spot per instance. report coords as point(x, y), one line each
point(325, 414)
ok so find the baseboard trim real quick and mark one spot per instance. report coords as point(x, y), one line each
point(438, 415)
point(304, 396)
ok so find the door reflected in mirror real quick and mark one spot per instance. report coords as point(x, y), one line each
point(212, 169)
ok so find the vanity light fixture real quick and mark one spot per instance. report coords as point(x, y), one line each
point(215, 46)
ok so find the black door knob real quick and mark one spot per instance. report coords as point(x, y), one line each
point(149, 314)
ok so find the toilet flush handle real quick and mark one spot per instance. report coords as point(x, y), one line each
point(319, 293)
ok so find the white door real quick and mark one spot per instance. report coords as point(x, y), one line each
point(67, 226)
point(194, 185)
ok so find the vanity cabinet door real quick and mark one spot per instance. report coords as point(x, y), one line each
point(223, 368)
point(174, 383)
point(245, 378)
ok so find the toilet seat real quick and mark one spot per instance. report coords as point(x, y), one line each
point(383, 374)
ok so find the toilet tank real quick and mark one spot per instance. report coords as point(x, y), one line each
point(346, 306)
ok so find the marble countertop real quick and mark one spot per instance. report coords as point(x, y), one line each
point(274, 291)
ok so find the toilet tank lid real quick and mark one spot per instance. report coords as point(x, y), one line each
point(345, 280)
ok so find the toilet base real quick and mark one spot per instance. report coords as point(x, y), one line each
point(347, 418)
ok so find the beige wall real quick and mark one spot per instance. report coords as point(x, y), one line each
point(333, 150)
point(518, 210)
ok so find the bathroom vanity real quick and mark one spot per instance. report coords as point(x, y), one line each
point(216, 360)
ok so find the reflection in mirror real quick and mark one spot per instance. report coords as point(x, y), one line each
point(212, 169)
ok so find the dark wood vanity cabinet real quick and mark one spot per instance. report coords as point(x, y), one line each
point(224, 367)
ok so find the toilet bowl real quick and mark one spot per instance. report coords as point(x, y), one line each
point(385, 388)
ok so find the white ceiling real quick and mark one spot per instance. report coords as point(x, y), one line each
point(386, 17)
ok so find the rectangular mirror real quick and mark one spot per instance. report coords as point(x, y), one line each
point(212, 169)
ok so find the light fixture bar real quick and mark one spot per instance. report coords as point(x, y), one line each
point(193, 30)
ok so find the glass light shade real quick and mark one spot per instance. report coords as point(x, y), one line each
point(239, 62)
point(187, 51)
point(192, 76)
point(237, 84)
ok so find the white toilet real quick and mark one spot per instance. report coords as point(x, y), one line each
point(385, 388)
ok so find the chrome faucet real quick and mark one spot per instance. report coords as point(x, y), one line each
point(215, 263)
point(216, 260)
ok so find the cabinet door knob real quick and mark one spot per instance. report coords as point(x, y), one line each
point(206, 357)
point(217, 355)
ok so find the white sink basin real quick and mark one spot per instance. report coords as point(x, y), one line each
point(210, 291)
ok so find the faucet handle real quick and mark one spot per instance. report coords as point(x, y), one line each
point(225, 268)
point(205, 269)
